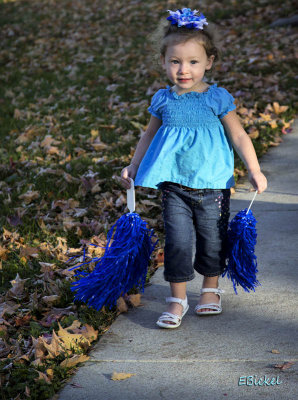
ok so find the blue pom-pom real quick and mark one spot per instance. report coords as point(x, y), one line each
point(123, 265)
point(242, 262)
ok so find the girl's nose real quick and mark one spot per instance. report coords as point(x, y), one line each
point(183, 68)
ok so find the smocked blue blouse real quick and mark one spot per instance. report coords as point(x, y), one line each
point(191, 147)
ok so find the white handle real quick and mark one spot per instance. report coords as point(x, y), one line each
point(131, 204)
point(252, 201)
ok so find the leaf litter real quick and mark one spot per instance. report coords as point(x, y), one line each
point(73, 97)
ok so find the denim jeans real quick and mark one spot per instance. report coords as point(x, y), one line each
point(195, 223)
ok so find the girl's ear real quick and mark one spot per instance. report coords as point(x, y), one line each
point(210, 62)
point(162, 60)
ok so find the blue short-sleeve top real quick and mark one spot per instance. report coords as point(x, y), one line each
point(191, 147)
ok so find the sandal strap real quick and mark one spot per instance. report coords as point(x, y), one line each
point(210, 305)
point(212, 290)
point(167, 316)
point(177, 300)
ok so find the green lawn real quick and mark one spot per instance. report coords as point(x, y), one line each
point(76, 78)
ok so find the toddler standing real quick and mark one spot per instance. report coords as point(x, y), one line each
point(187, 153)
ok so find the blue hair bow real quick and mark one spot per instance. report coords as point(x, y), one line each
point(188, 18)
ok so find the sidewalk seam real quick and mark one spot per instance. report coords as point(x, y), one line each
point(195, 361)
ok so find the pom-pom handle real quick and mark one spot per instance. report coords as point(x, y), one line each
point(256, 192)
point(131, 204)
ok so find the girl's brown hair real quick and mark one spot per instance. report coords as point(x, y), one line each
point(168, 34)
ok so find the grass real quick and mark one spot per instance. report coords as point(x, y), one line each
point(67, 71)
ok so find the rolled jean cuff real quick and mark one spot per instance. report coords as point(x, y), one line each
point(211, 275)
point(179, 280)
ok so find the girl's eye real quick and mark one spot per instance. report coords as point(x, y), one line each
point(194, 62)
point(175, 62)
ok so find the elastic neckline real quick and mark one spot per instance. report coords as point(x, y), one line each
point(190, 94)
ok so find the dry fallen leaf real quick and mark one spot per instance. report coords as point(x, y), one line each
point(274, 351)
point(54, 348)
point(55, 314)
point(274, 144)
point(27, 391)
point(159, 258)
point(285, 365)
point(23, 320)
point(39, 349)
point(96, 251)
point(94, 133)
point(28, 135)
point(17, 290)
point(76, 385)
point(75, 325)
point(4, 349)
point(50, 300)
point(98, 144)
point(3, 331)
point(135, 299)
point(54, 150)
point(29, 196)
point(72, 341)
point(89, 332)
point(3, 253)
point(120, 201)
point(43, 376)
point(50, 147)
point(61, 247)
point(265, 117)
point(11, 236)
point(76, 359)
point(121, 305)
point(27, 252)
point(120, 376)
point(149, 203)
point(273, 124)
point(239, 172)
point(17, 114)
point(279, 109)
point(50, 373)
point(253, 132)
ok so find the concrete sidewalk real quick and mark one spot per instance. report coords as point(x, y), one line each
point(205, 357)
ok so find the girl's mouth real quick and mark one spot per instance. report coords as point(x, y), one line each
point(183, 80)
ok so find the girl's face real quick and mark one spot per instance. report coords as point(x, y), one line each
point(185, 65)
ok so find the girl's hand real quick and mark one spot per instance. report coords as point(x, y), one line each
point(258, 180)
point(126, 173)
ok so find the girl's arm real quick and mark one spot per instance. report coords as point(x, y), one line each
point(245, 149)
point(144, 143)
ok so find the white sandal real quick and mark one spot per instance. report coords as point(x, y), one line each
point(215, 307)
point(169, 320)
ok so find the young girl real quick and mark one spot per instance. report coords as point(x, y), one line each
point(187, 152)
